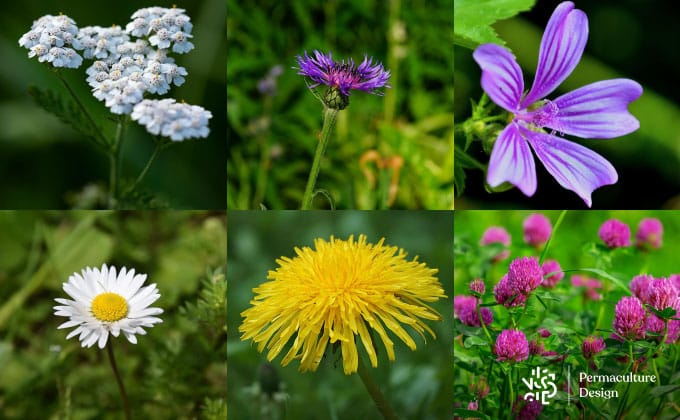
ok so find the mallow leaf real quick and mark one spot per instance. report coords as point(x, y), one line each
point(472, 19)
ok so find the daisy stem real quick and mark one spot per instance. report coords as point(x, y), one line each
point(121, 387)
point(383, 406)
point(329, 118)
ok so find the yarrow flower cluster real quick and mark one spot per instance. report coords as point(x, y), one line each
point(511, 346)
point(597, 110)
point(342, 77)
point(170, 27)
point(106, 302)
point(177, 121)
point(53, 39)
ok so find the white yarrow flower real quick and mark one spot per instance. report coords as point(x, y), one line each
point(165, 28)
point(167, 118)
point(105, 303)
point(52, 39)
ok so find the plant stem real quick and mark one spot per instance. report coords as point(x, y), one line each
point(156, 151)
point(383, 406)
point(329, 118)
point(121, 387)
point(115, 162)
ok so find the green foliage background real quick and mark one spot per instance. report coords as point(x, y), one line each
point(417, 383)
point(44, 163)
point(177, 370)
point(272, 139)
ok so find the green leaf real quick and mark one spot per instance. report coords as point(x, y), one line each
point(663, 390)
point(469, 414)
point(474, 341)
point(68, 112)
point(472, 19)
point(618, 282)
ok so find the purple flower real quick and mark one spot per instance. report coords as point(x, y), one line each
point(639, 285)
point(537, 230)
point(649, 234)
point(536, 348)
point(592, 345)
point(511, 346)
point(342, 76)
point(524, 274)
point(507, 296)
point(675, 279)
point(527, 410)
point(592, 286)
point(551, 266)
point(655, 325)
point(543, 332)
point(597, 110)
point(496, 234)
point(629, 318)
point(465, 307)
point(662, 294)
point(614, 233)
point(477, 285)
point(473, 405)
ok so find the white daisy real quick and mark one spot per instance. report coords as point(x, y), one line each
point(108, 303)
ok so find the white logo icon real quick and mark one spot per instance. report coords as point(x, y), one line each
point(543, 385)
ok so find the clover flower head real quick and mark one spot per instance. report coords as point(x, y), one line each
point(465, 308)
point(507, 295)
point(477, 285)
point(592, 345)
point(649, 234)
point(597, 110)
point(106, 302)
point(662, 294)
point(167, 118)
point(537, 348)
point(675, 279)
point(335, 293)
point(527, 410)
point(656, 325)
point(551, 266)
point(524, 274)
point(473, 405)
point(639, 285)
point(537, 229)
point(53, 39)
point(629, 318)
point(167, 27)
point(511, 346)
point(480, 388)
point(592, 286)
point(614, 233)
point(544, 332)
point(342, 77)
point(496, 234)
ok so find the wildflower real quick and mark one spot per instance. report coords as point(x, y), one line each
point(649, 234)
point(473, 405)
point(53, 39)
point(629, 318)
point(167, 27)
point(536, 348)
point(477, 286)
point(105, 303)
point(507, 295)
point(527, 410)
point(480, 388)
point(597, 110)
point(614, 233)
point(592, 286)
point(524, 274)
point(656, 325)
point(267, 86)
point(178, 121)
point(342, 77)
point(662, 294)
point(496, 234)
point(101, 43)
point(537, 230)
point(335, 292)
point(544, 332)
point(511, 346)
point(465, 308)
point(675, 279)
point(551, 266)
point(639, 285)
point(592, 345)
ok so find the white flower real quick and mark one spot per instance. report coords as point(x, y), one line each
point(100, 43)
point(105, 303)
point(165, 28)
point(53, 39)
point(178, 121)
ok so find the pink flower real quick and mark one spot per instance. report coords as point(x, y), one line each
point(662, 294)
point(477, 285)
point(543, 332)
point(655, 325)
point(592, 286)
point(496, 234)
point(473, 405)
point(551, 266)
point(527, 410)
point(639, 286)
point(615, 234)
point(592, 345)
point(629, 318)
point(465, 307)
point(508, 296)
point(511, 346)
point(536, 348)
point(649, 234)
point(524, 274)
point(537, 230)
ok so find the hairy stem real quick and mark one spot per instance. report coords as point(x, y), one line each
point(121, 387)
point(378, 398)
point(329, 117)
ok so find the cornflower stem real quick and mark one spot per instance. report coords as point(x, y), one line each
point(121, 387)
point(160, 145)
point(329, 117)
point(383, 406)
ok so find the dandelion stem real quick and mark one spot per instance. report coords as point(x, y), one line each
point(329, 117)
point(383, 406)
point(121, 387)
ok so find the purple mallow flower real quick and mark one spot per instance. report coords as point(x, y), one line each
point(614, 233)
point(629, 318)
point(597, 110)
point(511, 346)
point(342, 76)
point(649, 234)
point(537, 230)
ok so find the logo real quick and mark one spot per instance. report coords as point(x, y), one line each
point(543, 383)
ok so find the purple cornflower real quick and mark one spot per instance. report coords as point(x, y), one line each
point(551, 266)
point(592, 345)
point(629, 318)
point(342, 77)
point(465, 307)
point(524, 274)
point(597, 110)
point(511, 346)
point(614, 233)
point(504, 294)
point(649, 234)
point(537, 230)
point(496, 234)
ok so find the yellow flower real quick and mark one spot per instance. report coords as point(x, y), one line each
point(335, 292)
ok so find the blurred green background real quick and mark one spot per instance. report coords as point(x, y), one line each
point(272, 138)
point(175, 371)
point(417, 383)
point(44, 163)
point(627, 38)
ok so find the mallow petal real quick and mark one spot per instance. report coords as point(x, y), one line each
point(561, 48)
point(511, 160)
point(575, 167)
point(502, 77)
point(598, 110)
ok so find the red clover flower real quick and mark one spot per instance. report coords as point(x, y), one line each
point(537, 230)
point(615, 234)
point(592, 345)
point(524, 274)
point(496, 234)
point(551, 266)
point(629, 318)
point(649, 234)
point(511, 346)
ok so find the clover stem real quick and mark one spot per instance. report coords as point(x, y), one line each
point(378, 398)
point(329, 117)
point(121, 387)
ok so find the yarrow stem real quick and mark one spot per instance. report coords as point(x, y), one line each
point(121, 387)
point(160, 145)
point(115, 161)
point(383, 406)
point(329, 117)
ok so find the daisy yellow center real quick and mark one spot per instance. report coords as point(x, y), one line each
point(109, 307)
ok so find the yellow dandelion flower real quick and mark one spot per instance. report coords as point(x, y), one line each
point(335, 292)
